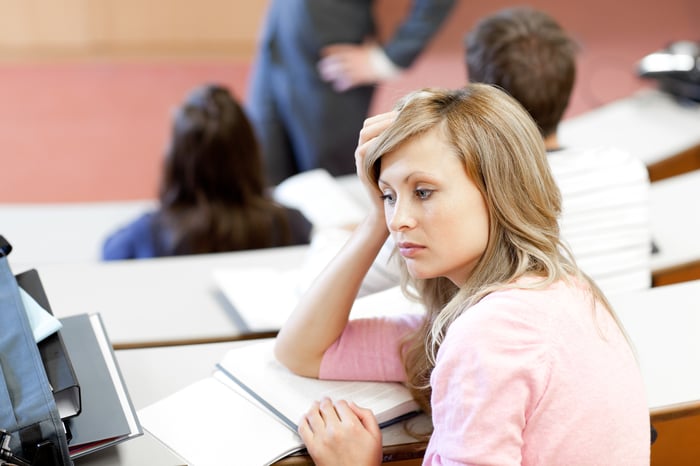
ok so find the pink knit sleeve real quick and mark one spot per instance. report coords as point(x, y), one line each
point(368, 349)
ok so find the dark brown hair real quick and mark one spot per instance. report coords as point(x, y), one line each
point(526, 53)
point(213, 194)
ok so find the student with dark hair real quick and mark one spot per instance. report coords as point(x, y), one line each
point(213, 196)
point(527, 53)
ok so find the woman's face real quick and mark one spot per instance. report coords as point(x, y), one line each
point(436, 215)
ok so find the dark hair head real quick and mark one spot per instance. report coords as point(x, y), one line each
point(213, 154)
point(526, 53)
point(213, 193)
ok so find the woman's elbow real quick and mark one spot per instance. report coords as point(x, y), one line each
point(294, 360)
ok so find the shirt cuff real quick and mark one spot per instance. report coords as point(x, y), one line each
point(384, 67)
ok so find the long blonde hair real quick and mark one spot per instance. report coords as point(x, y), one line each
point(504, 155)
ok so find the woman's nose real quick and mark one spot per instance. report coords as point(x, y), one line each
point(401, 217)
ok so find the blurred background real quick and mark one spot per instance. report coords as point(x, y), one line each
point(87, 86)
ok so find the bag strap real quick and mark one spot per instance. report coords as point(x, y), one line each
point(5, 247)
point(27, 405)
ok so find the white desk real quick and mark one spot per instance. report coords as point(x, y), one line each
point(650, 125)
point(664, 325)
point(73, 232)
point(675, 220)
point(59, 233)
point(141, 450)
point(157, 301)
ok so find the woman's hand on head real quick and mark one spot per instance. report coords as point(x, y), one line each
point(373, 127)
point(341, 433)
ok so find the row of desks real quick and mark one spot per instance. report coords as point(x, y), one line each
point(156, 302)
point(662, 322)
point(173, 302)
point(156, 310)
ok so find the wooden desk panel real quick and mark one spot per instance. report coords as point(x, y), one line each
point(676, 274)
point(683, 162)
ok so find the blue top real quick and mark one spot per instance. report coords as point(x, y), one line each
point(144, 238)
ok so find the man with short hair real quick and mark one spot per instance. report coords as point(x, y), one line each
point(605, 192)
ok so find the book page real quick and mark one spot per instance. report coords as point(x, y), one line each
point(386, 303)
point(288, 395)
point(41, 321)
point(321, 198)
point(248, 292)
point(209, 424)
point(263, 297)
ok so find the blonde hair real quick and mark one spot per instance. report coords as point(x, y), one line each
point(504, 155)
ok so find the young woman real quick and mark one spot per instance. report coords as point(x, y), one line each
point(519, 359)
point(213, 194)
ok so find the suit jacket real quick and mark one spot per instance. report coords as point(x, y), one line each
point(317, 23)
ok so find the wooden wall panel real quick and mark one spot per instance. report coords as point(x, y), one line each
point(38, 24)
point(91, 28)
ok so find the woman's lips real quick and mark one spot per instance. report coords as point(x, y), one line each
point(409, 250)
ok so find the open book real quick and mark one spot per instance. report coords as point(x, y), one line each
point(264, 311)
point(254, 401)
point(324, 200)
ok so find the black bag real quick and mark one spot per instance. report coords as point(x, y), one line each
point(31, 431)
point(676, 69)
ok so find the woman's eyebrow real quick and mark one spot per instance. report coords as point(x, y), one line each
point(408, 178)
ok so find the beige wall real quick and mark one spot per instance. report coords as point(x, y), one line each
point(112, 28)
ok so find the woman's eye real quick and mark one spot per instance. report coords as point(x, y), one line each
point(388, 197)
point(423, 193)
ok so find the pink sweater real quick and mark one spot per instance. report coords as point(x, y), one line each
point(523, 377)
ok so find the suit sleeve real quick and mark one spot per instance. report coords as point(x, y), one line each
point(414, 33)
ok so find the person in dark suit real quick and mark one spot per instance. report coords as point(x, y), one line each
point(313, 78)
point(213, 196)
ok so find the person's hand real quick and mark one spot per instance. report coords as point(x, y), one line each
point(348, 65)
point(372, 127)
point(340, 434)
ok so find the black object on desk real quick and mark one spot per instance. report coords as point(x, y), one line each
point(676, 69)
point(57, 363)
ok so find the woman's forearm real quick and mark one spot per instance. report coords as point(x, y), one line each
point(323, 310)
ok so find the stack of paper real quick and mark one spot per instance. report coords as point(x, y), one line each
point(321, 198)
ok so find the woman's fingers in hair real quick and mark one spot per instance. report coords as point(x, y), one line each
point(374, 125)
point(372, 128)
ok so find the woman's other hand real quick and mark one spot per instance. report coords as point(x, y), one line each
point(341, 433)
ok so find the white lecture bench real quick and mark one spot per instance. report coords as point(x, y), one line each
point(157, 302)
point(652, 125)
point(675, 228)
